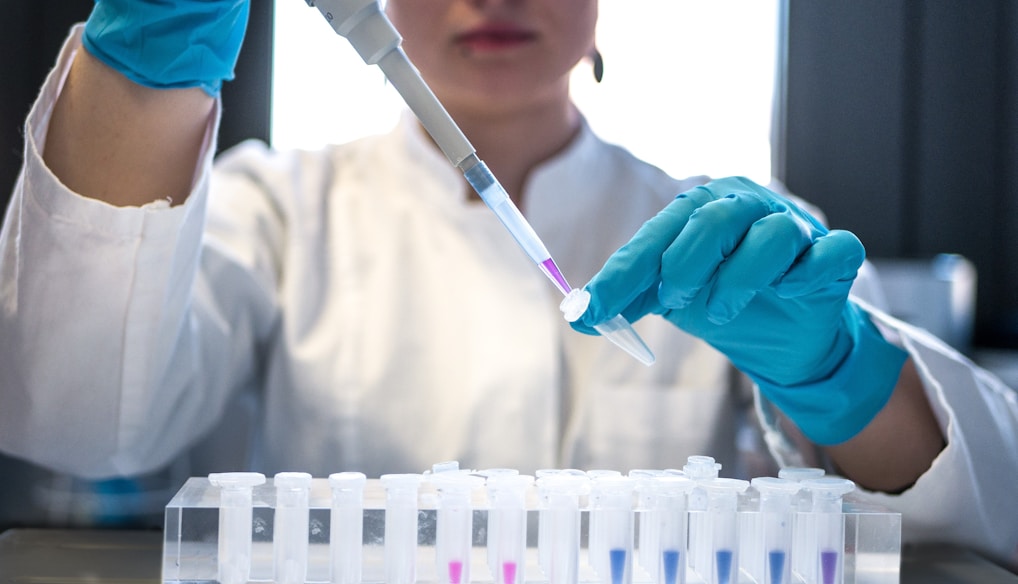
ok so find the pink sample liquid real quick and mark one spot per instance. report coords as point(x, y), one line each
point(508, 572)
point(455, 572)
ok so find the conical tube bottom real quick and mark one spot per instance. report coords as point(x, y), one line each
point(619, 331)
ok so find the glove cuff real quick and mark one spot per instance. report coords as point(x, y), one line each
point(169, 45)
point(835, 409)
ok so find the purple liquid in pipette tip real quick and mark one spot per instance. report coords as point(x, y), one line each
point(508, 572)
point(828, 566)
point(670, 563)
point(455, 571)
point(552, 270)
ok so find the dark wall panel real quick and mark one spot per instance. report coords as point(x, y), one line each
point(900, 123)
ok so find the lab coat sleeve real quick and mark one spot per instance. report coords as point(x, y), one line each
point(114, 357)
point(967, 495)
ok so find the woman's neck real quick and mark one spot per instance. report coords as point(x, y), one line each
point(513, 143)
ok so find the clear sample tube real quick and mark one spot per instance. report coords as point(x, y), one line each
point(613, 509)
point(722, 515)
point(648, 523)
point(560, 499)
point(668, 499)
point(455, 529)
point(507, 526)
point(376, 40)
point(700, 469)
point(235, 522)
point(543, 522)
point(597, 550)
point(346, 533)
point(616, 329)
point(777, 511)
point(401, 527)
point(829, 519)
point(804, 532)
point(290, 527)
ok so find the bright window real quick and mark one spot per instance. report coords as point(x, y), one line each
point(688, 84)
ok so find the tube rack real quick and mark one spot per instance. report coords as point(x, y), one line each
point(870, 554)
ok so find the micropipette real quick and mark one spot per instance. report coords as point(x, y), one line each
point(376, 40)
point(235, 520)
point(290, 529)
point(346, 522)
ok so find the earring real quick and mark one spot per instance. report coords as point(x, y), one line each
point(595, 56)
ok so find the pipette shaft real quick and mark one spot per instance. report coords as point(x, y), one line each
point(377, 41)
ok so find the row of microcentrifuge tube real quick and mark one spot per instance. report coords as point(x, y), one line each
point(689, 522)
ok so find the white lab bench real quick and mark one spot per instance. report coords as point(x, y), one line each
point(54, 556)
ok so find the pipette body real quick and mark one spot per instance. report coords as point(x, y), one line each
point(376, 40)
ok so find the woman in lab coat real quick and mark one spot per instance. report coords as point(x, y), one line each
point(383, 320)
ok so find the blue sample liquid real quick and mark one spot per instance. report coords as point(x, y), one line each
point(776, 560)
point(670, 563)
point(617, 557)
point(724, 566)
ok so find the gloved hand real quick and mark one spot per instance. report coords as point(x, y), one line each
point(169, 43)
point(766, 284)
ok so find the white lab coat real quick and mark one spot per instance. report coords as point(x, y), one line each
point(385, 322)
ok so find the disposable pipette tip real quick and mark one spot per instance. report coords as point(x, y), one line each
point(617, 329)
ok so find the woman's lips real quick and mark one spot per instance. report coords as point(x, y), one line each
point(494, 38)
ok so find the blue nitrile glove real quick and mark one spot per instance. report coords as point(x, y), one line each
point(766, 284)
point(169, 43)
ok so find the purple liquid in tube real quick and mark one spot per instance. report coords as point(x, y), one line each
point(828, 566)
point(552, 270)
point(508, 572)
point(455, 572)
point(670, 563)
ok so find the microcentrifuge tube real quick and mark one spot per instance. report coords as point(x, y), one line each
point(401, 527)
point(648, 523)
point(777, 511)
point(560, 500)
point(616, 329)
point(803, 528)
point(507, 526)
point(830, 526)
point(597, 546)
point(291, 526)
point(700, 469)
point(669, 503)
point(454, 532)
point(235, 522)
point(613, 509)
point(543, 522)
point(488, 474)
point(722, 514)
point(346, 522)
